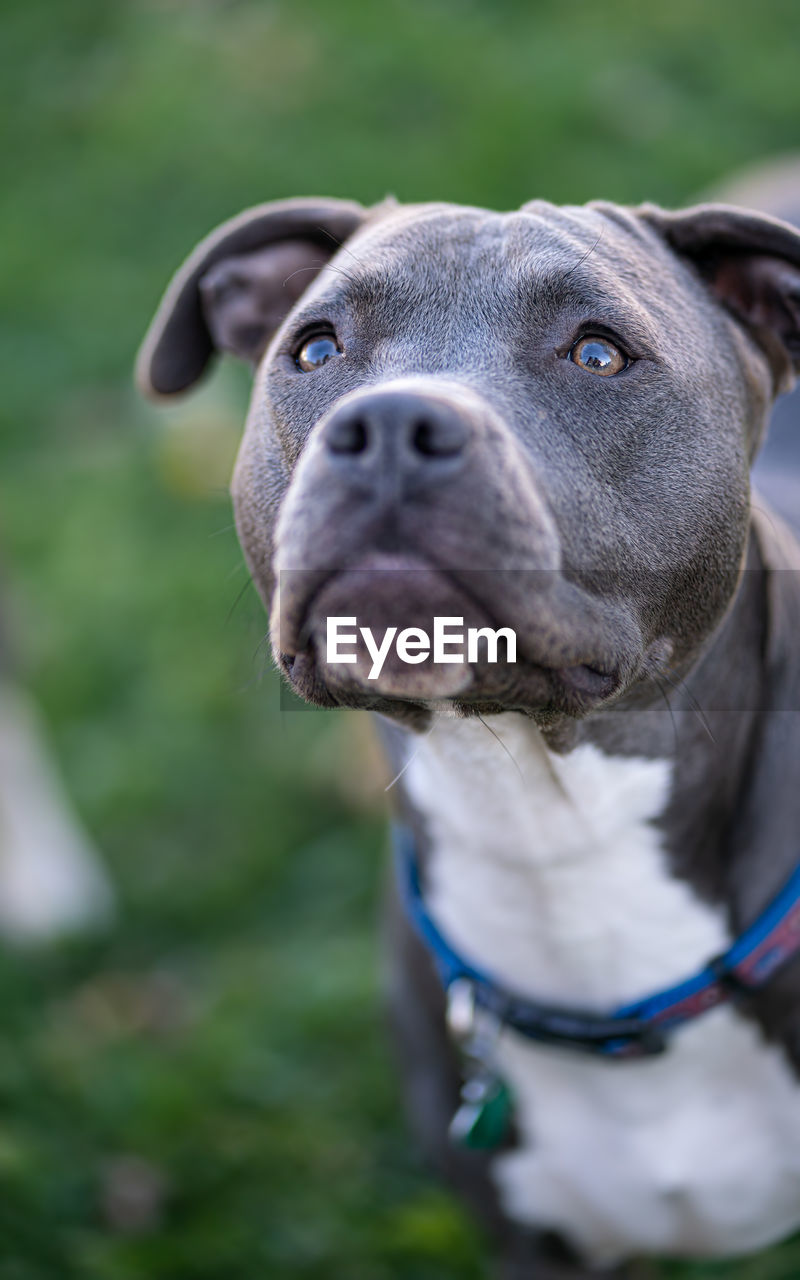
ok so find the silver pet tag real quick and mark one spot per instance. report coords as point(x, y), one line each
point(483, 1119)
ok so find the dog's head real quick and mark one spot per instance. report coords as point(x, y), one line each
point(541, 420)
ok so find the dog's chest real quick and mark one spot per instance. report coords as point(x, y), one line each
point(550, 873)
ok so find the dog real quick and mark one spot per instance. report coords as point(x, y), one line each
point(544, 420)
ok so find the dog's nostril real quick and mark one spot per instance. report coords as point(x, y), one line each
point(347, 435)
point(437, 439)
point(423, 438)
point(394, 433)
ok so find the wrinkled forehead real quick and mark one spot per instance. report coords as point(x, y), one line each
point(445, 260)
point(465, 239)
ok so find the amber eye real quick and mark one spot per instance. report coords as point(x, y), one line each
point(317, 351)
point(598, 355)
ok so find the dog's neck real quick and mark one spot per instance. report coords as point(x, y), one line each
point(551, 871)
point(603, 872)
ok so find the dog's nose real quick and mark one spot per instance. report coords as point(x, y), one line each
point(392, 435)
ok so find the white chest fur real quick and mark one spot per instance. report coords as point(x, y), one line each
point(549, 872)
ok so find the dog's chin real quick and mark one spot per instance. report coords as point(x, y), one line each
point(381, 593)
point(410, 692)
point(423, 683)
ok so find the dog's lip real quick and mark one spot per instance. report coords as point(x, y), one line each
point(587, 680)
point(372, 562)
point(583, 682)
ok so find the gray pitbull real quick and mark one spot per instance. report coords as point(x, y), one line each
point(544, 421)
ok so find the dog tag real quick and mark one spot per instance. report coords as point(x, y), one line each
point(482, 1121)
point(461, 1010)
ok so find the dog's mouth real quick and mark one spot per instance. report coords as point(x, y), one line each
point(395, 628)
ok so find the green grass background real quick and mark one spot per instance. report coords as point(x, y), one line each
point(221, 1049)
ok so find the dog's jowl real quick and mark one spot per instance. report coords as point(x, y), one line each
point(542, 424)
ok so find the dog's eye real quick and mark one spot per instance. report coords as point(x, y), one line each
point(598, 355)
point(317, 351)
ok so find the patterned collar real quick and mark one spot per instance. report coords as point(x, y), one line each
point(634, 1030)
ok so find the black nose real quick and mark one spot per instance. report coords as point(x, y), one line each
point(391, 436)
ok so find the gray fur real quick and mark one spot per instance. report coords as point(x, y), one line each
point(774, 188)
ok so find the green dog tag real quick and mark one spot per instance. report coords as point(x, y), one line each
point(483, 1119)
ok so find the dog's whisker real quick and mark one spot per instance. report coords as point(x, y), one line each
point(668, 704)
point(239, 595)
point(236, 570)
point(260, 649)
point(497, 737)
point(340, 244)
point(680, 687)
point(315, 266)
point(329, 266)
point(583, 258)
point(411, 758)
point(318, 266)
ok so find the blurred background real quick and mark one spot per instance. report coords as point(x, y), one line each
point(200, 1088)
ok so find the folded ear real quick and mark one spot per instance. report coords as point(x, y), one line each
point(752, 264)
point(237, 286)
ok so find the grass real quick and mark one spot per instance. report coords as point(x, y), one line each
point(205, 1091)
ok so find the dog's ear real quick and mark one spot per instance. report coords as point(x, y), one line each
point(237, 286)
point(752, 264)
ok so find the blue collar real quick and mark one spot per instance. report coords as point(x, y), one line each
point(634, 1030)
